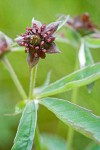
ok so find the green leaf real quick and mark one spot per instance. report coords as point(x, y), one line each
point(63, 19)
point(47, 81)
point(93, 42)
point(52, 142)
point(77, 79)
point(26, 129)
point(92, 146)
point(90, 86)
point(81, 119)
point(85, 59)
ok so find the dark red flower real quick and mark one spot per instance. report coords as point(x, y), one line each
point(38, 40)
point(4, 43)
point(82, 24)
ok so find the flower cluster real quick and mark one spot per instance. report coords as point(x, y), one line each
point(4, 43)
point(38, 40)
point(82, 24)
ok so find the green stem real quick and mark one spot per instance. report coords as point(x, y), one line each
point(22, 92)
point(14, 77)
point(71, 131)
point(73, 100)
point(33, 72)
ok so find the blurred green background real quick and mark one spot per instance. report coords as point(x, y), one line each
point(15, 16)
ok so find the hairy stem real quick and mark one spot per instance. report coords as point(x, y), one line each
point(33, 72)
point(73, 100)
point(14, 77)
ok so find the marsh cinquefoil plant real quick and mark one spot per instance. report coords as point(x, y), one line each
point(39, 40)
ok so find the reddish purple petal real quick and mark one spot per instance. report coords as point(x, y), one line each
point(19, 39)
point(53, 49)
point(5, 42)
point(52, 27)
point(32, 61)
point(37, 23)
point(42, 54)
point(5, 38)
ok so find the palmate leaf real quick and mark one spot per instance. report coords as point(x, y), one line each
point(77, 79)
point(26, 129)
point(81, 119)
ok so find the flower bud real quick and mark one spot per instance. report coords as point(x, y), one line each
point(82, 24)
point(4, 43)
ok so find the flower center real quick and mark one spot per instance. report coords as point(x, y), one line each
point(35, 39)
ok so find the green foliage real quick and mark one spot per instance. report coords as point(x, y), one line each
point(51, 142)
point(93, 42)
point(85, 59)
point(62, 20)
point(92, 146)
point(26, 129)
point(76, 79)
point(79, 118)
